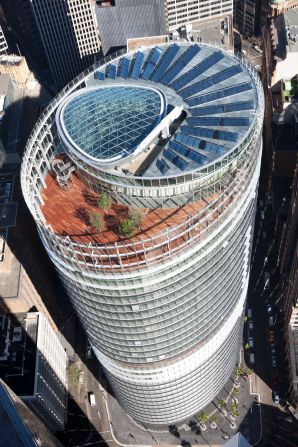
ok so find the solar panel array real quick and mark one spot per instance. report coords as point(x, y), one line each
point(218, 94)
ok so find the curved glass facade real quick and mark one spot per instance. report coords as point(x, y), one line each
point(162, 307)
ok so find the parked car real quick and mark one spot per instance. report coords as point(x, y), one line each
point(262, 215)
point(249, 313)
point(271, 336)
point(81, 377)
point(273, 349)
point(271, 321)
point(275, 381)
point(252, 359)
point(89, 352)
point(266, 280)
point(250, 325)
point(269, 308)
point(251, 342)
point(258, 49)
point(91, 398)
point(274, 362)
point(276, 398)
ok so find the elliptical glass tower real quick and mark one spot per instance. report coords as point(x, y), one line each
point(158, 275)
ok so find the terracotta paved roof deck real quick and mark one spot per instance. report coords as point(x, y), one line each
point(67, 212)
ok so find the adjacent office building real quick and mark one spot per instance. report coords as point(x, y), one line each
point(33, 364)
point(19, 426)
point(250, 16)
point(124, 19)
point(69, 36)
point(158, 277)
point(189, 11)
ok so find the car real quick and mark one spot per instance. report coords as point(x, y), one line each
point(250, 325)
point(249, 313)
point(81, 377)
point(91, 399)
point(271, 321)
point(266, 280)
point(252, 359)
point(244, 52)
point(262, 215)
point(273, 349)
point(276, 398)
point(274, 362)
point(251, 342)
point(269, 308)
point(258, 49)
point(271, 336)
point(89, 352)
point(257, 67)
point(275, 381)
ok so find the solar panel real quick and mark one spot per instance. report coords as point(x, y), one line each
point(209, 82)
point(188, 153)
point(99, 75)
point(165, 62)
point(111, 71)
point(197, 70)
point(229, 91)
point(123, 68)
point(162, 166)
point(212, 133)
point(169, 155)
point(151, 63)
point(209, 110)
point(236, 106)
point(181, 62)
point(137, 65)
point(219, 121)
point(203, 144)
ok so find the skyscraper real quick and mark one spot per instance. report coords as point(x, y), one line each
point(69, 36)
point(181, 13)
point(168, 141)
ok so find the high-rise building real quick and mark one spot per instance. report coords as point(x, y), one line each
point(69, 36)
point(124, 19)
point(3, 43)
point(19, 426)
point(189, 11)
point(250, 15)
point(168, 141)
point(33, 364)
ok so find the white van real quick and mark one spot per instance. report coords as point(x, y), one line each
point(91, 398)
point(252, 359)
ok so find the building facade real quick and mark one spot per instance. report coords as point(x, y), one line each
point(250, 16)
point(158, 275)
point(33, 364)
point(19, 426)
point(189, 11)
point(69, 36)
